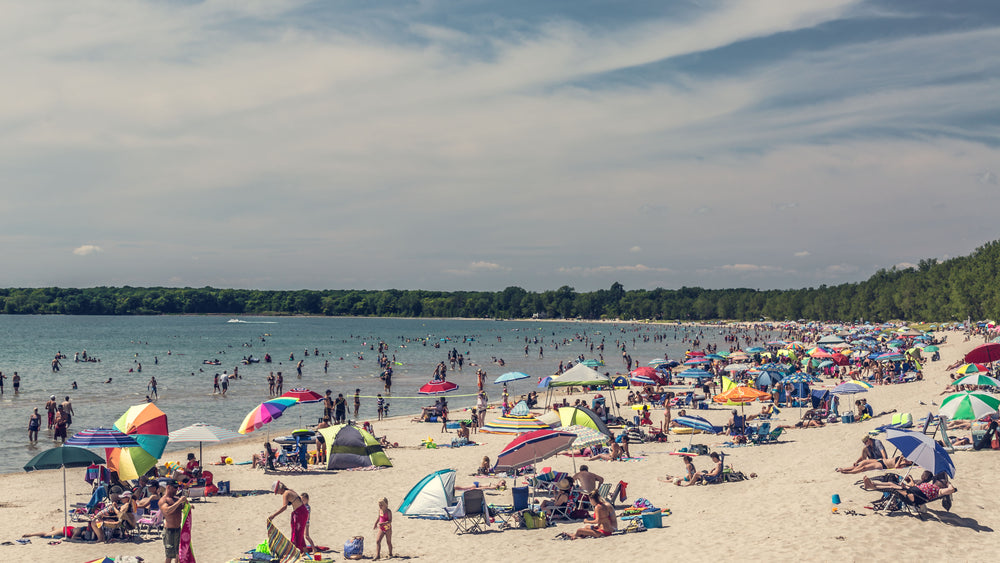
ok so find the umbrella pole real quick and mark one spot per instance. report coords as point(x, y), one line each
point(65, 503)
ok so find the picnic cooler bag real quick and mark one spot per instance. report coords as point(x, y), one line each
point(354, 548)
point(534, 520)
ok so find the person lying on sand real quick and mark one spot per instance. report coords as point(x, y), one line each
point(875, 464)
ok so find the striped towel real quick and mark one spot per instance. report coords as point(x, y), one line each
point(280, 547)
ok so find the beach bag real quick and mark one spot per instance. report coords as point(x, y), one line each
point(354, 548)
point(699, 449)
point(534, 520)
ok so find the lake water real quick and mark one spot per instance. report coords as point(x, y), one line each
point(172, 348)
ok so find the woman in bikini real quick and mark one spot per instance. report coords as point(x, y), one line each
point(300, 514)
point(384, 525)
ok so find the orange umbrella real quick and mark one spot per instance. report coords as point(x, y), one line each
point(741, 394)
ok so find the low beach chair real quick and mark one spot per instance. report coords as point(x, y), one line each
point(470, 515)
point(150, 524)
point(760, 436)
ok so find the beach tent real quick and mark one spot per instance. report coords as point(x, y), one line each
point(582, 416)
point(349, 446)
point(578, 376)
point(431, 496)
point(620, 382)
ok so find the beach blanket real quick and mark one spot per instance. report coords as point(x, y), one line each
point(279, 545)
point(184, 552)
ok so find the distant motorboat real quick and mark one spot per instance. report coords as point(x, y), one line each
point(235, 321)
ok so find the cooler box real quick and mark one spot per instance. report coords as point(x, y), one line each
point(453, 425)
point(847, 417)
point(652, 519)
point(520, 497)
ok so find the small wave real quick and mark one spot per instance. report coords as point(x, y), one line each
point(240, 321)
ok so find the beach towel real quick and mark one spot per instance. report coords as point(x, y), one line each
point(278, 544)
point(184, 552)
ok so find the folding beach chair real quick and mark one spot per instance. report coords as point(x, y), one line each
point(151, 523)
point(760, 436)
point(470, 514)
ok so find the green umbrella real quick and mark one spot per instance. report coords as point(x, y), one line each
point(977, 379)
point(63, 456)
point(969, 406)
point(931, 348)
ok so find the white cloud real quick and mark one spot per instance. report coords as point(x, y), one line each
point(635, 249)
point(87, 250)
point(802, 254)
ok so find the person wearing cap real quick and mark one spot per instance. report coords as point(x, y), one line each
point(300, 514)
point(171, 506)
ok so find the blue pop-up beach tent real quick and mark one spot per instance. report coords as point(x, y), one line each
point(431, 496)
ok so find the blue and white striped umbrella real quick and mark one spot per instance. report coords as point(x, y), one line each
point(698, 423)
point(102, 438)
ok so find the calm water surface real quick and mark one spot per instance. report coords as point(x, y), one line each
point(173, 349)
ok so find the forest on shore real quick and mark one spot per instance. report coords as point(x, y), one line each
point(954, 289)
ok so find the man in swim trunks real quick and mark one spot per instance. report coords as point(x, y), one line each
point(171, 506)
point(300, 514)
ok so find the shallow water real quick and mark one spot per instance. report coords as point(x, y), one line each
point(172, 348)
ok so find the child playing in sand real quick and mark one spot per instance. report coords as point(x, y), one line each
point(384, 525)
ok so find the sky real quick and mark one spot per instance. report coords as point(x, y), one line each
point(348, 144)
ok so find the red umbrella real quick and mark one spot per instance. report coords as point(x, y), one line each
point(533, 447)
point(437, 387)
point(650, 373)
point(984, 354)
point(840, 359)
point(303, 395)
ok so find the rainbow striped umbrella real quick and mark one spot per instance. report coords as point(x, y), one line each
point(265, 413)
point(148, 425)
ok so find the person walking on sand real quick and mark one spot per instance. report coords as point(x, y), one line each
point(384, 525)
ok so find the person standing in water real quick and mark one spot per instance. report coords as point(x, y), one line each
point(152, 388)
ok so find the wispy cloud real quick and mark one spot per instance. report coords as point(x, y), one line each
point(87, 250)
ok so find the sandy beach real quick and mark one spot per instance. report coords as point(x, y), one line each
point(783, 514)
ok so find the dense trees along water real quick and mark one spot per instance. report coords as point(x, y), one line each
point(956, 289)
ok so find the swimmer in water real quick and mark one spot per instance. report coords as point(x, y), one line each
point(108, 381)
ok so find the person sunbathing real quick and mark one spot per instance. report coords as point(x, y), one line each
point(58, 532)
point(875, 464)
point(614, 455)
point(926, 489)
point(562, 496)
point(605, 521)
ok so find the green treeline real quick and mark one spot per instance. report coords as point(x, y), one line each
point(956, 289)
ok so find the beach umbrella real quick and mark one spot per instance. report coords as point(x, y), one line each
point(437, 387)
point(544, 382)
point(984, 353)
point(741, 394)
point(698, 423)
point(264, 413)
point(849, 388)
point(777, 343)
point(648, 373)
point(864, 384)
point(511, 376)
point(695, 372)
point(303, 396)
point(657, 362)
point(698, 360)
point(585, 435)
point(148, 425)
point(969, 406)
point(532, 447)
point(102, 438)
point(63, 456)
point(201, 432)
point(931, 348)
point(737, 367)
point(592, 363)
point(755, 350)
point(977, 379)
point(966, 369)
point(641, 380)
point(922, 450)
